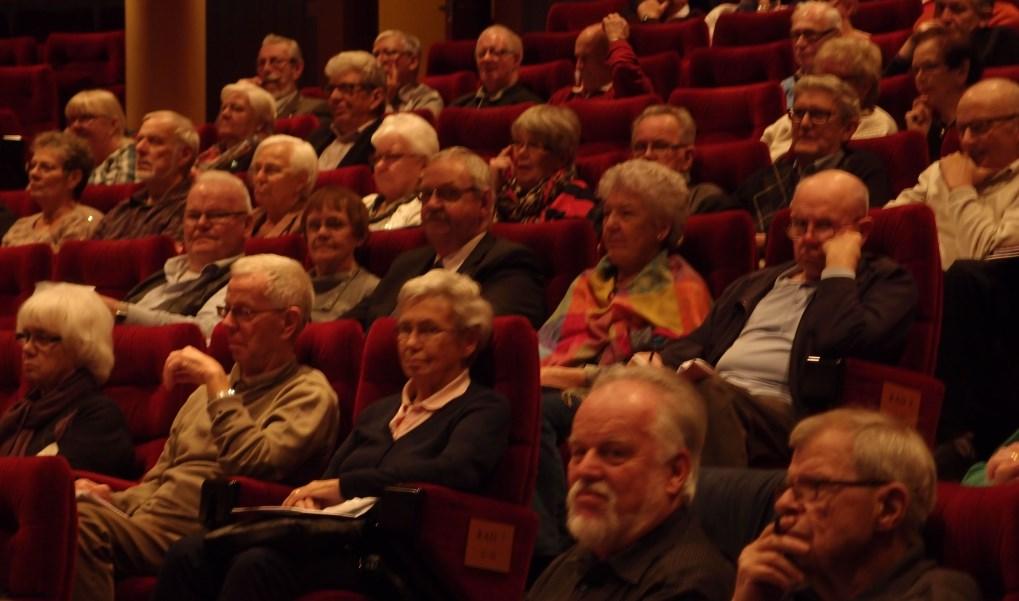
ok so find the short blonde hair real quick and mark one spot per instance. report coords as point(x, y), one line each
point(302, 157)
point(372, 74)
point(79, 317)
point(415, 131)
point(471, 312)
point(97, 102)
point(557, 128)
point(262, 102)
point(658, 187)
point(287, 283)
point(860, 58)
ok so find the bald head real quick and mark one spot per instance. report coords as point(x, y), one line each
point(592, 52)
point(988, 123)
point(843, 192)
point(825, 206)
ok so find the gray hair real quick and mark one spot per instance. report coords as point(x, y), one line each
point(372, 74)
point(411, 44)
point(681, 420)
point(287, 283)
point(477, 168)
point(659, 188)
point(232, 182)
point(557, 128)
point(97, 102)
point(687, 126)
point(471, 312)
point(414, 130)
point(183, 129)
point(302, 157)
point(828, 13)
point(262, 102)
point(882, 449)
point(847, 103)
point(79, 317)
point(858, 57)
point(295, 49)
point(512, 39)
point(77, 156)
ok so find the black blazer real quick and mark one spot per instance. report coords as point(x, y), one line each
point(359, 154)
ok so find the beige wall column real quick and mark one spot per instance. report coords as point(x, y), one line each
point(423, 18)
point(165, 58)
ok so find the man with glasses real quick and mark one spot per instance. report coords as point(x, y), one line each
point(850, 519)
point(767, 353)
point(279, 68)
point(457, 204)
point(268, 418)
point(357, 98)
point(498, 53)
point(217, 218)
point(813, 23)
point(399, 53)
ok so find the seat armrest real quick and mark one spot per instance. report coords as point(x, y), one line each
point(221, 495)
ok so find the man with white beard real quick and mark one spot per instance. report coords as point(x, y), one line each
point(634, 457)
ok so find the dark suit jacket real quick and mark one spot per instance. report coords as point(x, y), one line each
point(515, 94)
point(304, 105)
point(359, 154)
point(508, 273)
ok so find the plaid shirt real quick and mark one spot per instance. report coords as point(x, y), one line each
point(118, 168)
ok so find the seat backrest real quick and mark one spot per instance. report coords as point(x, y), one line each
point(895, 95)
point(1008, 72)
point(740, 65)
point(31, 92)
point(749, 29)
point(20, 268)
point(663, 69)
point(733, 112)
point(509, 365)
point(291, 245)
point(547, 46)
point(909, 236)
point(574, 16)
point(485, 131)
point(590, 167)
point(136, 383)
point(114, 267)
point(299, 126)
point(383, 246)
point(355, 177)
point(545, 78)
point(99, 55)
point(105, 197)
point(720, 246)
point(904, 155)
point(728, 164)
point(450, 56)
point(10, 369)
point(22, 50)
point(679, 36)
point(605, 124)
point(890, 41)
point(453, 85)
point(19, 202)
point(879, 16)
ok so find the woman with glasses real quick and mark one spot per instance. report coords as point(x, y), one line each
point(335, 222)
point(66, 338)
point(536, 179)
point(97, 117)
point(283, 172)
point(403, 144)
point(57, 174)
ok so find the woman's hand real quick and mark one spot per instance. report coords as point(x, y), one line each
point(502, 166)
point(315, 495)
point(920, 116)
point(191, 366)
point(1003, 466)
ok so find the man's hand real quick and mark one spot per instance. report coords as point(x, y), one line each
point(958, 170)
point(616, 28)
point(652, 10)
point(191, 366)
point(392, 79)
point(919, 117)
point(843, 249)
point(315, 495)
point(88, 487)
point(646, 358)
point(1003, 467)
point(766, 570)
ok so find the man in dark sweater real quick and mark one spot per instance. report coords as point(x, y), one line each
point(498, 54)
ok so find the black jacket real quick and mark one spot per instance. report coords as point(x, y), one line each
point(359, 154)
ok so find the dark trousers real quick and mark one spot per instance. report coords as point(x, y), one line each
point(744, 430)
point(550, 490)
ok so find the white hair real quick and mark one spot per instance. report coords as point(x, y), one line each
point(826, 11)
point(414, 130)
point(477, 168)
point(229, 180)
point(287, 283)
point(301, 155)
point(411, 43)
point(658, 187)
point(295, 49)
point(183, 129)
point(372, 74)
point(471, 312)
point(262, 102)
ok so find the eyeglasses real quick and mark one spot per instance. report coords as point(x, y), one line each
point(822, 228)
point(522, 146)
point(496, 52)
point(84, 118)
point(982, 126)
point(41, 339)
point(330, 223)
point(275, 61)
point(448, 193)
point(242, 313)
point(425, 329)
point(216, 217)
point(346, 89)
point(41, 166)
point(810, 35)
point(389, 53)
point(807, 489)
point(817, 116)
point(655, 146)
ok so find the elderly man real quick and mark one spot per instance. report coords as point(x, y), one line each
point(665, 134)
point(634, 459)
point(850, 518)
point(813, 23)
point(399, 53)
point(283, 172)
point(268, 418)
point(498, 54)
point(457, 204)
point(191, 286)
point(357, 99)
point(825, 114)
point(279, 68)
point(97, 117)
point(751, 353)
point(166, 145)
point(607, 66)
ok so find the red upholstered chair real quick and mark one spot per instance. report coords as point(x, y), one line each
point(680, 36)
point(548, 46)
point(22, 50)
point(383, 246)
point(453, 85)
point(299, 126)
point(356, 177)
point(105, 198)
point(728, 164)
point(114, 267)
point(10, 369)
point(913, 397)
point(890, 41)
point(733, 112)
point(19, 202)
point(545, 78)
point(904, 155)
point(206, 135)
point(450, 56)
point(314, 92)
point(740, 65)
point(879, 16)
point(590, 167)
point(485, 131)
point(1008, 72)
point(605, 124)
point(20, 268)
point(85, 60)
point(896, 96)
point(663, 69)
point(31, 92)
point(291, 245)
point(38, 528)
point(720, 246)
point(574, 16)
point(749, 29)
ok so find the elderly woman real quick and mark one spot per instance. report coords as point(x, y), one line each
point(335, 223)
point(57, 174)
point(247, 114)
point(535, 176)
point(66, 336)
point(857, 62)
point(283, 173)
point(403, 144)
point(97, 117)
point(942, 72)
point(442, 429)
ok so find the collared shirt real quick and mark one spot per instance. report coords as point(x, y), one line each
point(414, 412)
point(414, 96)
point(136, 217)
point(874, 123)
point(338, 148)
point(406, 212)
point(290, 223)
point(336, 294)
point(118, 168)
point(455, 260)
point(512, 94)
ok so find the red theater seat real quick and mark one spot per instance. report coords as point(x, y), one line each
point(1008, 72)
point(896, 96)
point(890, 41)
point(20, 268)
point(292, 245)
point(546, 78)
point(681, 37)
point(31, 92)
point(731, 113)
point(605, 124)
point(450, 56)
point(299, 126)
point(574, 16)
point(590, 167)
point(720, 246)
point(728, 164)
point(664, 70)
point(453, 85)
point(879, 16)
point(740, 65)
point(105, 198)
point(904, 155)
point(356, 177)
point(485, 131)
point(114, 267)
point(749, 29)
point(21, 50)
point(85, 60)
point(548, 46)
point(18, 202)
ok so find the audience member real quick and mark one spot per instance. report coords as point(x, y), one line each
point(247, 115)
point(442, 429)
point(850, 518)
point(831, 302)
point(634, 460)
point(660, 11)
point(57, 174)
point(399, 54)
point(279, 68)
point(357, 99)
point(665, 134)
point(283, 173)
point(607, 66)
point(813, 23)
point(848, 8)
point(268, 418)
point(166, 145)
point(824, 117)
point(97, 117)
point(457, 203)
point(66, 338)
point(335, 222)
point(403, 144)
point(1001, 468)
point(498, 53)
point(536, 179)
point(191, 287)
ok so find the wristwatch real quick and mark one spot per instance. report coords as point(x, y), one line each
point(225, 393)
point(121, 313)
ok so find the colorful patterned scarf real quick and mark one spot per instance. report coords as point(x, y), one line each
point(518, 206)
